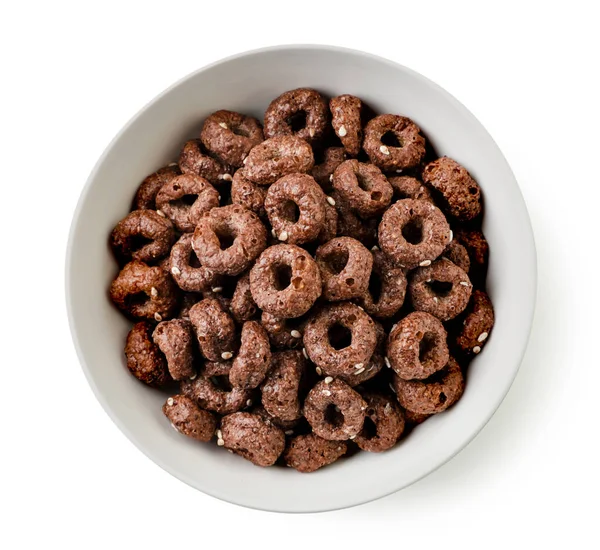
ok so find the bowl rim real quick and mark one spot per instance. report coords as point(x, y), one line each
point(528, 308)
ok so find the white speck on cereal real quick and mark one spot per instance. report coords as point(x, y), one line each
point(392, 387)
point(226, 355)
point(223, 125)
point(482, 337)
point(387, 409)
point(352, 436)
point(174, 427)
point(175, 270)
point(451, 236)
point(227, 177)
point(394, 326)
point(339, 448)
point(220, 442)
point(219, 197)
point(358, 366)
point(193, 377)
point(399, 171)
point(337, 409)
point(311, 132)
point(161, 213)
point(326, 392)
point(249, 403)
point(319, 371)
point(172, 164)
point(219, 434)
point(331, 201)
point(220, 176)
point(217, 289)
point(425, 263)
point(304, 353)
point(170, 401)
point(273, 233)
point(295, 334)
point(283, 236)
point(384, 150)
point(331, 177)
point(464, 283)
point(153, 292)
point(387, 363)
point(329, 380)
point(476, 349)
point(289, 432)
point(428, 280)
point(360, 307)
point(435, 299)
point(342, 131)
point(374, 248)
point(158, 317)
point(359, 371)
point(245, 160)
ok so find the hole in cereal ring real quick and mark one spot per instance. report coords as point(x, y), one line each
point(339, 336)
point(390, 139)
point(375, 195)
point(375, 286)
point(240, 131)
point(413, 231)
point(337, 260)
point(473, 190)
point(283, 276)
point(426, 346)
point(440, 288)
point(193, 260)
point(369, 428)
point(350, 281)
point(443, 397)
point(137, 299)
point(290, 211)
point(333, 416)
point(138, 241)
point(297, 121)
point(226, 238)
point(298, 283)
point(351, 318)
point(363, 182)
point(221, 383)
point(184, 202)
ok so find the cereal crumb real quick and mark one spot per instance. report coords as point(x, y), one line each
point(476, 349)
point(289, 432)
point(170, 401)
point(220, 442)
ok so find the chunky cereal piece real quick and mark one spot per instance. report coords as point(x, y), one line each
point(433, 395)
point(394, 142)
point(283, 333)
point(145, 196)
point(278, 157)
point(142, 235)
point(345, 267)
point(321, 410)
point(189, 419)
point(384, 424)
point(458, 193)
point(254, 358)
point(185, 198)
point(323, 171)
point(417, 346)
point(340, 339)
point(458, 255)
point(175, 339)
point(364, 188)
point(386, 288)
point(189, 274)
point(249, 436)
point(144, 292)
point(477, 325)
point(351, 225)
point(282, 386)
point(193, 160)
point(214, 329)
point(249, 194)
point(228, 239)
point(295, 205)
point(285, 281)
point(407, 187)
point(229, 136)
point(302, 112)
point(442, 289)
point(478, 250)
point(307, 453)
point(242, 306)
point(212, 390)
point(144, 358)
point(346, 121)
point(413, 232)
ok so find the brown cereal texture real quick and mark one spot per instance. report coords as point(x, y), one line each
point(351, 225)
point(186, 270)
point(189, 419)
point(193, 160)
point(384, 424)
point(242, 305)
point(322, 172)
point(282, 386)
point(283, 333)
point(307, 453)
point(458, 255)
point(478, 250)
point(477, 325)
point(144, 358)
point(175, 339)
point(346, 121)
point(249, 194)
point(214, 329)
point(253, 361)
point(330, 225)
point(408, 187)
point(145, 196)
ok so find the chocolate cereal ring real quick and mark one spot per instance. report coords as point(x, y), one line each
point(407, 187)
point(394, 142)
point(185, 198)
point(340, 339)
point(413, 232)
point(295, 205)
point(144, 292)
point(433, 395)
point(417, 346)
point(142, 235)
point(477, 324)
point(345, 267)
point(145, 196)
point(175, 340)
point(193, 160)
point(413, 419)
point(144, 358)
point(458, 255)
point(283, 333)
point(384, 424)
point(346, 121)
point(229, 136)
point(283, 384)
point(307, 453)
point(215, 330)
point(442, 289)
point(285, 281)
point(186, 269)
point(242, 306)
point(386, 288)
point(249, 436)
point(254, 358)
point(364, 188)
point(302, 112)
point(457, 192)
point(228, 239)
point(322, 172)
point(248, 194)
point(327, 421)
point(189, 419)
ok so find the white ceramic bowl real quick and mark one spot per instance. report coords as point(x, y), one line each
point(247, 83)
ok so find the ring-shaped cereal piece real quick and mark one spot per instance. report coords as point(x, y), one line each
point(351, 225)
point(142, 235)
point(345, 267)
point(386, 288)
point(340, 339)
point(189, 419)
point(185, 198)
point(250, 437)
point(278, 157)
point(442, 289)
point(458, 192)
point(384, 424)
point(175, 339)
point(393, 142)
point(253, 360)
point(228, 239)
point(334, 410)
point(214, 328)
point(145, 196)
point(193, 160)
point(478, 250)
point(413, 232)
point(364, 188)
point(249, 194)
point(346, 121)
point(477, 324)
point(458, 255)
point(417, 346)
point(295, 205)
point(283, 333)
point(186, 269)
point(229, 136)
point(322, 172)
point(144, 292)
point(407, 187)
point(285, 281)
point(302, 112)
point(433, 395)
point(242, 305)
point(309, 452)
point(144, 358)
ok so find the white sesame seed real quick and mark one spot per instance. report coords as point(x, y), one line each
point(311, 132)
point(464, 283)
point(223, 125)
point(392, 387)
point(352, 437)
point(220, 442)
point(319, 371)
point(329, 380)
point(170, 401)
point(219, 434)
point(217, 289)
point(435, 299)
point(289, 432)
point(331, 201)
point(387, 363)
point(360, 307)
point(227, 355)
point(394, 326)
point(172, 164)
point(384, 150)
point(342, 131)
point(283, 236)
point(273, 233)
point(358, 366)
point(161, 213)
point(387, 408)
point(425, 263)
point(249, 403)
point(228, 450)
point(359, 371)
point(220, 176)
point(339, 448)
point(476, 349)
point(428, 280)
point(175, 270)
point(451, 236)
point(295, 334)
point(227, 177)
point(174, 427)
point(337, 409)
point(304, 353)
point(158, 317)
point(482, 337)
point(326, 392)
point(245, 160)
point(399, 171)
point(153, 292)
point(330, 177)
point(219, 197)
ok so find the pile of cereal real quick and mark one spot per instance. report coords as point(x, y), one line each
point(314, 285)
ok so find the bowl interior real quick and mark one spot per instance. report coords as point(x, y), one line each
point(247, 83)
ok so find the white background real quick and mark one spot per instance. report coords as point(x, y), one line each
point(75, 72)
